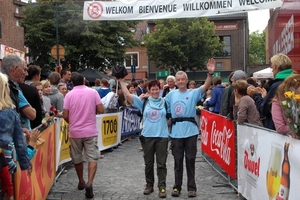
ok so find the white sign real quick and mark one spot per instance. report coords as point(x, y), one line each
point(268, 164)
point(4, 50)
point(164, 9)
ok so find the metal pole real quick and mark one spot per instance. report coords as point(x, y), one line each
point(56, 24)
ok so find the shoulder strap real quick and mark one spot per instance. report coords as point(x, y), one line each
point(144, 105)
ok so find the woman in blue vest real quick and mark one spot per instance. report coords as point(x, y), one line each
point(154, 136)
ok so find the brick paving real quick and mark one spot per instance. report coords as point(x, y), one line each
point(120, 175)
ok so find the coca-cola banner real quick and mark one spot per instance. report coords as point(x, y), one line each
point(268, 164)
point(218, 140)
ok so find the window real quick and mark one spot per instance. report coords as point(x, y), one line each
point(219, 65)
point(131, 59)
point(227, 48)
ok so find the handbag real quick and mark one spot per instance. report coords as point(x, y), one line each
point(119, 71)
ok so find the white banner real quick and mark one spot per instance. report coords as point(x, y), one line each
point(164, 9)
point(268, 164)
point(4, 50)
point(109, 128)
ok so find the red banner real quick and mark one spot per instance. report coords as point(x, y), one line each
point(38, 185)
point(218, 140)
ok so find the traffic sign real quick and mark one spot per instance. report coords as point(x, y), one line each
point(217, 74)
point(133, 69)
point(61, 51)
point(162, 73)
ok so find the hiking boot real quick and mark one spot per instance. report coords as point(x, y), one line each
point(162, 193)
point(149, 189)
point(192, 194)
point(175, 192)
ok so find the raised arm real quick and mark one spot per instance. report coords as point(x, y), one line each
point(125, 91)
point(211, 65)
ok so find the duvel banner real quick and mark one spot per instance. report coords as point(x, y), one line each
point(166, 9)
point(218, 140)
point(268, 164)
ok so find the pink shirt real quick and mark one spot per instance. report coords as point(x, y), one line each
point(280, 121)
point(81, 102)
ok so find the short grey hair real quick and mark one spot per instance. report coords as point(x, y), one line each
point(171, 77)
point(11, 60)
point(182, 73)
point(61, 84)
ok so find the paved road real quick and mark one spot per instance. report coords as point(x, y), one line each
point(120, 175)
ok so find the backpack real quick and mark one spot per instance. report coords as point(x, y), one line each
point(140, 114)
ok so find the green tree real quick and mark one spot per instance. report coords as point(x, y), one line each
point(97, 44)
point(182, 43)
point(257, 48)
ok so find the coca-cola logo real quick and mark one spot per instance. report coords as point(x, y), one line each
point(220, 142)
point(219, 139)
point(251, 165)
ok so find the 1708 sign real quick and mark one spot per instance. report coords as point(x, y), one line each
point(109, 130)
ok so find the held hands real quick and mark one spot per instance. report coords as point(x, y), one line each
point(34, 136)
point(211, 66)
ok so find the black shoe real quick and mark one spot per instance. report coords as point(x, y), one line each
point(81, 186)
point(149, 189)
point(89, 191)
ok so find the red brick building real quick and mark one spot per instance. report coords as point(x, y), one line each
point(11, 33)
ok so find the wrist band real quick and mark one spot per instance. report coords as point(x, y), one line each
point(211, 73)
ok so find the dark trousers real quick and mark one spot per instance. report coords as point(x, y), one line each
point(159, 147)
point(187, 147)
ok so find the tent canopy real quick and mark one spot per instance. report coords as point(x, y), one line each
point(91, 74)
point(264, 73)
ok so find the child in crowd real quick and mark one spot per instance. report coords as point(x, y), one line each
point(208, 96)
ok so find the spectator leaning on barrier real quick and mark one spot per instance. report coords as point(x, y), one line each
point(184, 131)
point(154, 136)
point(31, 94)
point(244, 109)
point(237, 75)
point(79, 111)
point(282, 68)
point(15, 68)
point(292, 83)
